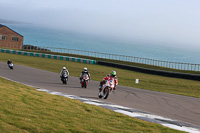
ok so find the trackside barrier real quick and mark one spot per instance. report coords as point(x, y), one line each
point(50, 56)
point(152, 71)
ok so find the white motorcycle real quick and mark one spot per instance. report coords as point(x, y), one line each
point(10, 65)
point(107, 88)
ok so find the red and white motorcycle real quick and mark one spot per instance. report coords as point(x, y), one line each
point(107, 88)
point(85, 80)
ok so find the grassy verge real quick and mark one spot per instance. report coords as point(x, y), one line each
point(23, 109)
point(126, 78)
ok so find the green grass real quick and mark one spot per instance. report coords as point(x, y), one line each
point(126, 78)
point(24, 110)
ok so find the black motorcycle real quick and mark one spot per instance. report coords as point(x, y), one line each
point(64, 78)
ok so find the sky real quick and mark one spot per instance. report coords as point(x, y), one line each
point(164, 22)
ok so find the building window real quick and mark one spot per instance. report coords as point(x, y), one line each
point(15, 39)
point(2, 37)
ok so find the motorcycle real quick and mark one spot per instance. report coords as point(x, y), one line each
point(10, 65)
point(106, 88)
point(64, 78)
point(84, 81)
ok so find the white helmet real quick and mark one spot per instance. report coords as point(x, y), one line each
point(85, 69)
point(64, 68)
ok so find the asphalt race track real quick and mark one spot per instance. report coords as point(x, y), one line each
point(182, 108)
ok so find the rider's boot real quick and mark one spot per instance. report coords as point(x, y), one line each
point(100, 88)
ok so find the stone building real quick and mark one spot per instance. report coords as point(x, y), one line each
point(9, 38)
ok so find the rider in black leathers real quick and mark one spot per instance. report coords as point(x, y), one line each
point(9, 62)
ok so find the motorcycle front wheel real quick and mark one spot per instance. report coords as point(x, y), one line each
point(106, 92)
point(99, 94)
point(85, 84)
point(64, 81)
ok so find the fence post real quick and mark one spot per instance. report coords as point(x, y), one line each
point(179, 66)
point(175, 64)
point(185, 66)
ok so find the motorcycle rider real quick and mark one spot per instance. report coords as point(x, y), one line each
point(111, 75)
point(85, 71)
point(63, 72)
point(9, 62)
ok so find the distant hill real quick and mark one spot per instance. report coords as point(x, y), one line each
point(11, 22)
point(6, 21)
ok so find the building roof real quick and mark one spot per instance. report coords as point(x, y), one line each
point(9, 28)
point(1, 25)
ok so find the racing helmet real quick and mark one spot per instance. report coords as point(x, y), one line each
point(113, 73)
point(64, 68)
point(85, 69)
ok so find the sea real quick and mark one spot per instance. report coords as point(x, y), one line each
point(52, 37)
